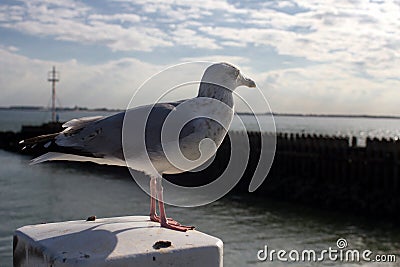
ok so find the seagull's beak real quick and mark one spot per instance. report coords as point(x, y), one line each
point(243, 80)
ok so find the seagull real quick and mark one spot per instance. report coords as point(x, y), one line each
point(100, 139)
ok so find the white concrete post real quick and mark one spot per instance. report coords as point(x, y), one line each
point(121, 241)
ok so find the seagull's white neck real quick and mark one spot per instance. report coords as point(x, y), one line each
point(217, 92)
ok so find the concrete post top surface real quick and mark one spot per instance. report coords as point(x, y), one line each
point(111, 239)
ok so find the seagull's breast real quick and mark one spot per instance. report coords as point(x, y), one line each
point(200, 138)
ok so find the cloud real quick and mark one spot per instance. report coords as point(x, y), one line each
point(110, 84)
point(237, 60)
point(188, 37)
point(364, 34)
point(329, 88)
point(122, 18)
point(348, 31)
point(73, 21)
point(348, 50)
point(322, 88)
point(10, 48)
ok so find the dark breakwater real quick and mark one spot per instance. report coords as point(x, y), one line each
point(10, 140)
point(335, 173)
point(322, 171)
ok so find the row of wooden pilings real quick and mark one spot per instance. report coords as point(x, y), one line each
point(323, 171)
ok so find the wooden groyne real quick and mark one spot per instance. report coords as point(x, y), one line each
point(324, 171)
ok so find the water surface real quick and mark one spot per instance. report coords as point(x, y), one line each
point(53, 192)
point(59, 191)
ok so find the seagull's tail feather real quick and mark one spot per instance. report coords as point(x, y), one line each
point(58, 156)
point(67, 141)
point(51, 156)
point(46, 157)
point(46, 140)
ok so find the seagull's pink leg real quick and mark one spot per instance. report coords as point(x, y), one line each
point(153, 214)
point(164, 221)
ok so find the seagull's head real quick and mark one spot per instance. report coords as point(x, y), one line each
point(226, 75)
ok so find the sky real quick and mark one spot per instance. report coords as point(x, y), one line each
point(306, 56)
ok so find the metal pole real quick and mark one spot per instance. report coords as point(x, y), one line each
point(53, 97)
point(53, 78)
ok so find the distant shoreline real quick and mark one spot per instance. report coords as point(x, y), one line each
point(30, 108)
point(326, 115)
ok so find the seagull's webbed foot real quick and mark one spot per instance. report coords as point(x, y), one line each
point(179, 227)
point(156, 218)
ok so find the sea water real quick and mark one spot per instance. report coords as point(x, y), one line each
point(59, 191)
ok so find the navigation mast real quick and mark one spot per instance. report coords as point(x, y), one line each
point(53, 77)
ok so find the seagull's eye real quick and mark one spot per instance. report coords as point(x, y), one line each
point(237, 72)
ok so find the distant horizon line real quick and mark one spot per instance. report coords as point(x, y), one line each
point(290, 114)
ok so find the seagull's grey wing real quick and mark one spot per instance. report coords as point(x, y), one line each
point(97, 138)
point(103, 137)
point(155, 124)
